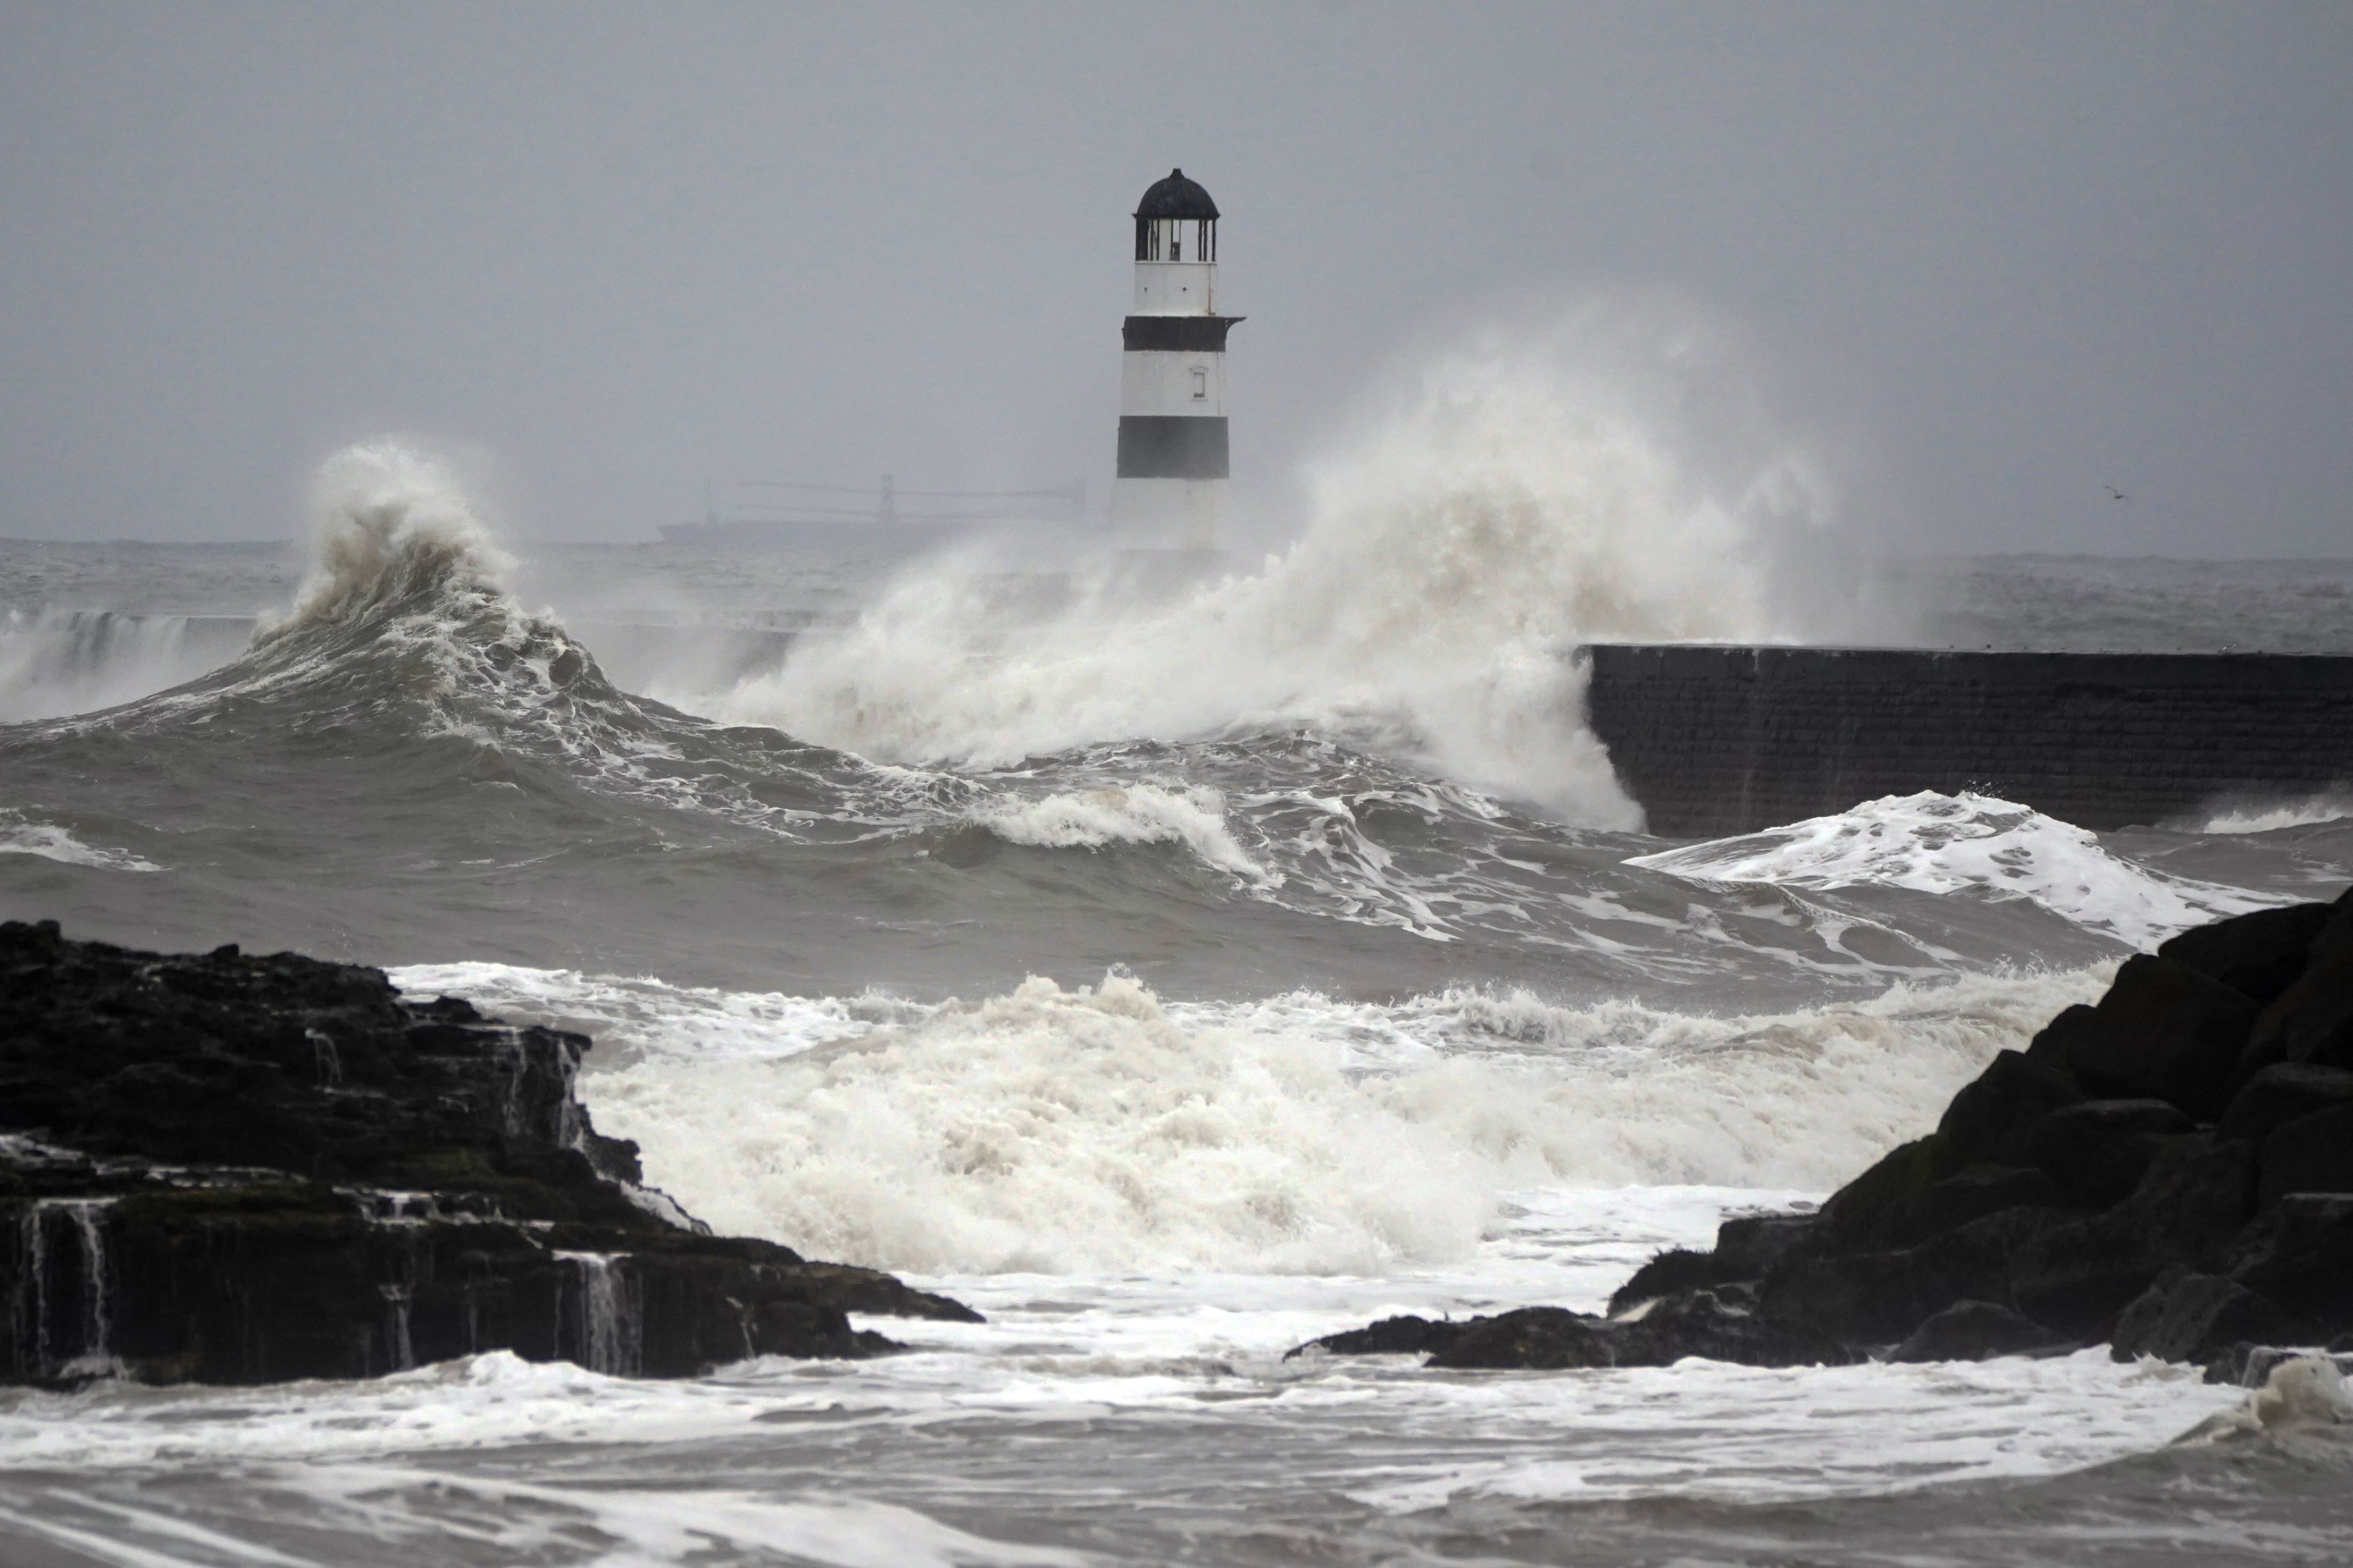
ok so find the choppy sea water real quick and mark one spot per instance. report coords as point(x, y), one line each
point(1174, 973)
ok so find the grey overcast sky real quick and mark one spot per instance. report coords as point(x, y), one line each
point(2011, 254)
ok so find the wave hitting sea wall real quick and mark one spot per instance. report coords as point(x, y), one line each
point(1714, 739)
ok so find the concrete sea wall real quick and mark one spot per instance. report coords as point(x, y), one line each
point(1719, 740)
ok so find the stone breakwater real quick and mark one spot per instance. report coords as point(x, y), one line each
point(217, 1168)
point(1712, 740)
point(2168, 1172)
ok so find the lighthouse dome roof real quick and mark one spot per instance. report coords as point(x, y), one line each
point(1176, 196)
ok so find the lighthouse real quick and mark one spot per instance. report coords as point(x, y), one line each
point(1171, 487)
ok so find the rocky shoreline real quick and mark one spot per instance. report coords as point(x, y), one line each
point(217, 1168)
point(2169, 1172)
point(221, 1168)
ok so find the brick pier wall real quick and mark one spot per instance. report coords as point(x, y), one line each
point(1714, 739)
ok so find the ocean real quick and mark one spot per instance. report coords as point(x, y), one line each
point(1175, 970)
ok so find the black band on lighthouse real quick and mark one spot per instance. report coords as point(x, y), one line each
point(1172, 447)
point(1176, 334)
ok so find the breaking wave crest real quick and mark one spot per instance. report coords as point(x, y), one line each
point(19, 836)
point(1104, 1128)
point(2273, 815)
point(393, 531)
point(403, 641)
point(1944, 844)
point(1133, 814)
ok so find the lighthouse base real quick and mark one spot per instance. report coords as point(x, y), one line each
point(1169, 514)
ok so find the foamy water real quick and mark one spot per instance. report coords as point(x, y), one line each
point(51, 842)
point(1018, 1440)
point(1099, 1129)
point(1175, 978)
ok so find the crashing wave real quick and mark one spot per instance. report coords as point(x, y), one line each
point(1946, 844)
point(2272, 816)
point(1105, 1128)
point(394, 534)
point(51, 842)
point(403, 642)
point(1133, 814)
point(1527, 492)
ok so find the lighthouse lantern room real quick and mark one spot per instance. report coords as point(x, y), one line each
point(1173, 468)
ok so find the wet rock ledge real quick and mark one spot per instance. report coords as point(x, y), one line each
point(2170, 1172)
point(227, 1169)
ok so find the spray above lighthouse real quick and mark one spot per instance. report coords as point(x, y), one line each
point(1173, 468)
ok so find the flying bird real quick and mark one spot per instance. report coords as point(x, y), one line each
point(2116, 494)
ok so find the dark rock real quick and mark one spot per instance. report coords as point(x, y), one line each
point(2259, 954)
point(1406, 1335)
point(1859, 1299)
point(1716, 1326)
point(235, 1169)
point(2096, 1151)
point(2185, 1213)
point(2299, 1253)
point(2279, 1094)
point(1748, 1245)
point(1867, 1300)
point(2164, 1032)
point(2310, 1154)
point(2195, 1317)
point(1677, 1268)
point(1989, 1122)
point(2201, 1201)
point(1972, 1262)
point(2078, 1277)
point(2054, 1045)
point(1872, 1210)
point(1543, 1338)
point(2312, 1020)
point(1972, 1194)
point(1977, 1331)
point(2196, 1195)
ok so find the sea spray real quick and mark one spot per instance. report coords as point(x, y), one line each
point(1523, 494)
point(59, 661)
point(391, 528)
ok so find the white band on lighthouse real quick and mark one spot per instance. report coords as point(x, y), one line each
point(1173, 457)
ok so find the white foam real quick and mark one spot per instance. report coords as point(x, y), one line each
point(20, 837)
point(2304, 1397)
point(633, 1015)
point(1526, 491)
point(2252, 816)
point(1946, 844)
point(1100, 1127)
point(1130, 814)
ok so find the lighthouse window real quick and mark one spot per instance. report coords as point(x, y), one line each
point(1200, 382)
